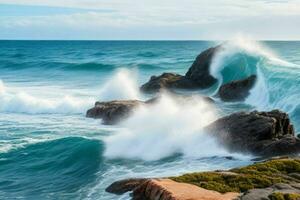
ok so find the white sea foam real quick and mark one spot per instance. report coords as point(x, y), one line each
point(121, 86)
point(165, 128)
point(22, 102)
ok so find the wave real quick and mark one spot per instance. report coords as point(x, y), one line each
point(89, 66)
point(22, 102)
point(241, 58)
point(166, 128)
point(72, 162)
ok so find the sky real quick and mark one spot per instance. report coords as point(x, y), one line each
point(149, 19)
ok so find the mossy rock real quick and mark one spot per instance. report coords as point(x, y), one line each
point(281, 196)
point(259, 175)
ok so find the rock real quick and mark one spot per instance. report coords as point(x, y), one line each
point(166, 189)
point(259, 181)
point(123, 186)
point(269, 192)
point(256, 181)
point(259, 133)
point(199, 71)
point(167, 81)
point(112, 112)
point(237, 90)
point(197, 77)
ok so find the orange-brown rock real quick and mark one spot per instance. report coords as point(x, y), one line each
point(166, 189)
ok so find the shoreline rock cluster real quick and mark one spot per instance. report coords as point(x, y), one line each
point(263, 134)
point(270, 180)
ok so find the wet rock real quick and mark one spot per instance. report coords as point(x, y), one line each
point(199, 71)
point(167, 81)
point(112, 112)
point(197, 77)
point(259, 133)
point(237, 90)
point(123, 186)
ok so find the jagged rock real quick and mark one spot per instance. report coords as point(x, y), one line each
point(166, 189)
point(237, 90)
point(197, 77)
point(258, 133)
point(123, 186)
point(112, 112)
point(199, 71)
point(167, 81)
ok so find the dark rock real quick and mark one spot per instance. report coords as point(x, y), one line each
point(167, 81)
point(259, 133)
point(199, 71)
point(237, 90)
point(113, 112)
point(123, 186)
point(197, 77)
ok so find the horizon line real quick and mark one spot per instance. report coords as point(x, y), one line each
point(151, 40)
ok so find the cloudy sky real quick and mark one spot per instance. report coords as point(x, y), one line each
point(149, 19)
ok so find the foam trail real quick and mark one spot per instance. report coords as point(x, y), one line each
point(22, 102)
point(165, 128)
point(121, 86)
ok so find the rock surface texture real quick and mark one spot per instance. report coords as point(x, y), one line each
point(237, 90)
point(112, 112)
point(166, 189)
point(197, 77)
point(259, 133)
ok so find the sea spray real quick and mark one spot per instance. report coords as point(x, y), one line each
point(165, 128)
point(122, 86)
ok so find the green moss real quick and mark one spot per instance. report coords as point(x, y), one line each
point(281, 196)
point(260, 175)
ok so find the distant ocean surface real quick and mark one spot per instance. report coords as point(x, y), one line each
point(50, 150)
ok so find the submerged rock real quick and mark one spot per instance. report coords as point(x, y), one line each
point(197, 77)
point(258, 133)
point(112, 112)
point(237, 90)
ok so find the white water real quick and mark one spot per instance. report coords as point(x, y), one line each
point(165, 128)
point(122, 86)
point(22, 102)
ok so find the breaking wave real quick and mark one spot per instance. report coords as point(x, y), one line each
point(22, 102)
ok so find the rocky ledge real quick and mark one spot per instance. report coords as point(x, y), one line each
point(277, 179)
point(258, 133)
point(113, 112)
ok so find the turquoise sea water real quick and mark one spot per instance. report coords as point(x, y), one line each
point(49, 150)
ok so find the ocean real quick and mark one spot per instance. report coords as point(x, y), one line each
point(50, 150)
